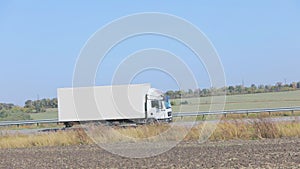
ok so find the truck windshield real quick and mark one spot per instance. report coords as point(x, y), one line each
point(167, 102)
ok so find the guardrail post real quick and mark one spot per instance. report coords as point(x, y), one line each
point(269, 113)
point(292, 112)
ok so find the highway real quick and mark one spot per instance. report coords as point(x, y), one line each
point(182, 114)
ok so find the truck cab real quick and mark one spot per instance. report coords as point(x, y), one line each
point(158, 106)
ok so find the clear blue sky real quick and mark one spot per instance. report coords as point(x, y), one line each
point(257, 41)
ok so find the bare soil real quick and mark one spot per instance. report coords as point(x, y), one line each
point(270, 153)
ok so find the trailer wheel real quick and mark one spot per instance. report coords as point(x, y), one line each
point(68, 124)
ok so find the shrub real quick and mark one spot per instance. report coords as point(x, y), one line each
point(184, 102)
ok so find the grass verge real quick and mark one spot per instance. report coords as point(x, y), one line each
point(225, 130)
point(60, 138)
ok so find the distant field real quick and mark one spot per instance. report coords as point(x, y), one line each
point(248, 101)
point(49, 114)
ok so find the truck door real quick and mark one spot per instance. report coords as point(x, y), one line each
point(157, 109)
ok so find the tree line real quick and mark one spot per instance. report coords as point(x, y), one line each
point(233, 90)
point(9, 111)
point(35, 106)
point(31, 106)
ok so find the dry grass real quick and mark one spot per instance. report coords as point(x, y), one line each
point(232, 130)
point(61, 138)
point(225, 130)
point(154, 132)
point(257, 129)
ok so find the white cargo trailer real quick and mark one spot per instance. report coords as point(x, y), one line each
point(137, 103)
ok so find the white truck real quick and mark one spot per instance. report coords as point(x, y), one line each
point(116, 104)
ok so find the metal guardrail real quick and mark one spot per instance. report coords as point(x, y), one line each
point(17, 123)
point(182, 114)
point(241, 111)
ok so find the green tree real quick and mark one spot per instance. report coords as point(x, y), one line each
point(29, 104)
point(298, 85)
point(253, 88)
point(171, 94)
point(239, 89)
point(231, 89)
